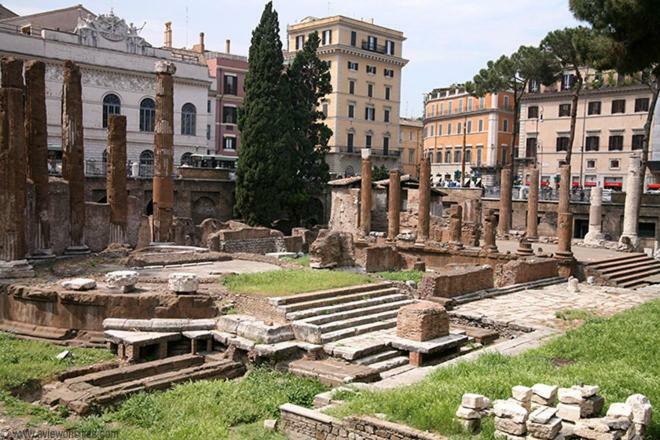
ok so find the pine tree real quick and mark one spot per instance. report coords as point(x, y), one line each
point(263, 173)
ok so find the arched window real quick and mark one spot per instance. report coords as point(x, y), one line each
point(147, 163)
point(188, 119)
point(186, 158)
point(147, 114)
point(111, 106)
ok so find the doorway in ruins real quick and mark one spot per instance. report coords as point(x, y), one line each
point(203, 208)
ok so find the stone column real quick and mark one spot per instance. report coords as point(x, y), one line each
point(424, 215)
point(490, 244)
point(394, 205)
point(504, 224)
point(73, 155)
point(163, 180)
point(116, 178)
point(456, 227)
point(595, 234)
point(564, 216)
point(13, 173)
point(564, 189)
point(533, 206)
point(36, 134)
point(633, 196)
point(365, 193)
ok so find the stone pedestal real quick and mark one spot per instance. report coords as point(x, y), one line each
point(365, 192)
point(633, 200)
point(504, 224)
point(595, 234)
point(533, 205)
point(456, 227)
point(394, 205)
point(116, 178)
point(422, 321)
point(524, 248)
point(163, 180)
point(424, 215)
point(73, 155)
point(36, 133)
point(490, 244)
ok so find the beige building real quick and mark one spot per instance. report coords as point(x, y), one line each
point(609, 127)
point(363, 109)
point(411, 142)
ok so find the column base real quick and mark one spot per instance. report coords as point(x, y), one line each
point(564, 255)
point(41, 255)
point(525, 252)
point(77, 250)
point(630, 241)
point(16, 269)
point(490, 249)
point(532, 239)
point(594, 238)
point(455, 245)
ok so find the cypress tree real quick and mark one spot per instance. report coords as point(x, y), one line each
point(263, 174)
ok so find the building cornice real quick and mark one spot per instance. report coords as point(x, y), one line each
point(332, 49)
point(468, 114)
point(588, 93)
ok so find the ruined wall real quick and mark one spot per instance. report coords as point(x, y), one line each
point(452, 281)
point(379, 210)
point(344, 211)
point(525, 270)
point(97, 226)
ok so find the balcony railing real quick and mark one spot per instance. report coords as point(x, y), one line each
point(379, 48)
point(545, 194)
point(374, 152)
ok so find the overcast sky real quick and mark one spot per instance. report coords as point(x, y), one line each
point(448, 41)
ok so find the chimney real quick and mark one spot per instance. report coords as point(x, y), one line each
point(228, 46)
point(201, 42)
point(168, 34)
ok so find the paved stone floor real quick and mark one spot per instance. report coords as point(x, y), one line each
point(205, 270)
point(581, 253)
point(538, 307)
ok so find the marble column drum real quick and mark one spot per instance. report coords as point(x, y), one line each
point(633, 196)
point(595, 234)
point(365, 192)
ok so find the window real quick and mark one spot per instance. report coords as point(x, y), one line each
point(439, 129)
point(457, 156)
point(594, 108)
point(641, 104)
point(147, 115)
point(386, 115)
point(460, 106)
point(208, 106)
point(448, 128)
point(637, 141)
point(208, 132)
point(564, 110)
point(324, 109)
point(449, 107)
point(300, 42)
point(389, 47)
point(111, 106)
point(562, 143)
point(567, 81)
point(469, 104)
point(432, 130)
point(615, 164)
point(367, 141)
point(372, 43)
point(370, 90)
point(592, 143)
point(229, 142)
point(506, 102)
point(411, 156)
point(479, 153)
point(616, 143)
point(505, 125)
point(370, 113)
point(459, 128)
point(531, 146)
point(353, 66)
point(533, 86)
point(231, 85)
point(146, 163)
point(371, 70)
point(349, 142)
point(448, 156)
point(188, 119)
point(326, 37)
point(482, 103)
point(468, 156)
point(469, 126)
point(388, 92)
point(229, 115)
point(618, 106)
point(351, 87)
point(591, 163)
point(389, 73)
point(353, 38)
point(532, 112)
point(481, 125)
point(351, 110)
point(386, 145)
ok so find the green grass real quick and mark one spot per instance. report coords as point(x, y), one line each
point(302, 261)
point(403, 276)
point(574, 314)
point(292, 281)
point(215, 409)
point(620, 354)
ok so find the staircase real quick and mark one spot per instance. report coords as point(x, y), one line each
point(332, 315)
point(631, 271)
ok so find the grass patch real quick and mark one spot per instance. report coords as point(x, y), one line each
point(403, 276)
point(217, 409)
point(292, 281)
point(574, 314)
point(301, 261)
point(620, 354)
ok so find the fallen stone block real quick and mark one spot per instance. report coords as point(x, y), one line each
point(587, 390)
point(510, 426)
point(422, 321)
point(122, 279)
point(507, 409)
point(475, 401)
point(467, 413)
point(620, 410)
point(592, 406)
point(79, 284)
point(544, 394)
point(570, 396)
point(543, 414)
point(641, 409)
point(572, 413)
point(545, 431)
point(183, 282)
point(521, 393)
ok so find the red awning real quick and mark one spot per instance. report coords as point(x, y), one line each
point(545, 183)
point(653, 186)
point(576, 183)
point(590, 184)
point(613, 184)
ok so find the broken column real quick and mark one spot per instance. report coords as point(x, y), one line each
point(424, 215)
point(163, 180)
point(394, 205)
point(633, 196)
point(533, 206)
point(73, 155)
point(595, 234)
point(13, 173)
point(490, 244)
point(116, 178)
point(456, 227)
point(36, 135)
point(504, 224)
point(365, 192)
point(564, 216)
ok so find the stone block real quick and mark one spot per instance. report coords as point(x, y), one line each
point(592, 406)
point(544, 394)
point(521, 393)
point(183, 282)
point(422, 321)
point(79, 284)
point(606, 428)
point(509, 409)
point(467, 413)
point(572, 413)
point(543, 414)
point(382, 259)
point(587, 390)
point(641, 409)
point(570, 396)
point(548, 430)
point(452, 281)
point(510, 426)
point(122, 279)
point(506, 436)
point(475, 401)
point(620, 410)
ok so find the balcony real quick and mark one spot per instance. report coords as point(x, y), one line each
point(378, 48)
point(345, 149)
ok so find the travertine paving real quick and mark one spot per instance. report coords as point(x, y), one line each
point(538, 307)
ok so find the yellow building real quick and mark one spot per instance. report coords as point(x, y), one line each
point(411, 139)
point(452, 117)
point(363, 108)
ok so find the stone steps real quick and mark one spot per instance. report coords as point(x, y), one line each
point(357, 321)
point(627, 266)
point(396, 371)
point(390, 364)
point(333, 300)
point(378, 357)
point(630, 271)
point(490, 293)
point(646, 270)
point(306, 297)
point(358, 330)
point(637, 279)
point(323, 315)
point(614, 262)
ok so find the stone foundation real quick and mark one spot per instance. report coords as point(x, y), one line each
point(422, 321)
point(455, 281)
point(525, 270)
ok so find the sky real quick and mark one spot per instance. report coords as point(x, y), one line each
point(447, 41)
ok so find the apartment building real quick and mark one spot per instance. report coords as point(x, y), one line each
point(366, 62)
point(410, 140)
point(452, 118)
point(610, 125)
